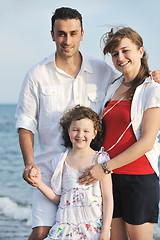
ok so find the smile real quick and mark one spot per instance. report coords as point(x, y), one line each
point(67, 48)
point(80, 140)
point(123, 64)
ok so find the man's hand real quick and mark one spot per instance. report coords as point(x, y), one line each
point(26, 175)
point(91, 175)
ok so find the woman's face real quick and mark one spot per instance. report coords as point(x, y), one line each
point(127, 58)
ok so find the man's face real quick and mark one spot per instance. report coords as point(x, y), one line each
point(67, 36)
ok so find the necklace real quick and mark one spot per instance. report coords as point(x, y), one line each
point(127, 84)
point(111, 107)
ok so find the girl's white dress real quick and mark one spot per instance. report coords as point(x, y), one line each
point(79, 214)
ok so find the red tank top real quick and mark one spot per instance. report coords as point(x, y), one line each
point(115, 122)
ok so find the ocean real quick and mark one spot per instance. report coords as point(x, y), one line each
point(15, 193)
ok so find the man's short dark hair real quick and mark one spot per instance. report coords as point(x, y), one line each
point(65, 13)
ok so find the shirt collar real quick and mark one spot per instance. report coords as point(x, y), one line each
point(86, 66)
point(50, 59)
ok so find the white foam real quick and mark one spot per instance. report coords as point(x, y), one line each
point(12, 210)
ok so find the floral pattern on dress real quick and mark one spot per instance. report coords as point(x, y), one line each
point(75, 230)
point(78, 198)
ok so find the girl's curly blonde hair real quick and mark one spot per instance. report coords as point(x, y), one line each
point(77, 113)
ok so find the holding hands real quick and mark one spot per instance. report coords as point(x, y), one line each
point(35, 176)
point(26, 174)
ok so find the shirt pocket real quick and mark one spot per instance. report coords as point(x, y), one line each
point(96, 100)
point(52, 99)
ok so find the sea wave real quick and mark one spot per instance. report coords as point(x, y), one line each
point(16, 211)
point(156, 235)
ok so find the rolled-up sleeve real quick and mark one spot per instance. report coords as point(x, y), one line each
point(27, 107)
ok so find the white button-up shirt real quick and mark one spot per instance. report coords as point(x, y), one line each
point(47, 92)
point(147, 95)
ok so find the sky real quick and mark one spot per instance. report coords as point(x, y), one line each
point(25, 33)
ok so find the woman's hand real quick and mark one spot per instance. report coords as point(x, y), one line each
point(155, 75)
point(91, 175)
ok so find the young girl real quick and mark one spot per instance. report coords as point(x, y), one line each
point(132, 121)
point(80, 212)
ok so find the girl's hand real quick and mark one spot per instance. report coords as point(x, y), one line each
point(104, 235)
point(26, 175)
point(91, 175)
point(35, 176)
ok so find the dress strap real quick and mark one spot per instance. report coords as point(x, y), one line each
point(103, 153)
point(124, 130)
point(95, 161)
point(120, 137)
point(111, 107)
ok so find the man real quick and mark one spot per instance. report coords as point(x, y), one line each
point(54, 85)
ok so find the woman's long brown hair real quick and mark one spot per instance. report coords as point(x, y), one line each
point(112, 40)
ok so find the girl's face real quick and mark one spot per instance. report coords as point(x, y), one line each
point(127, 57)
point(81, 133)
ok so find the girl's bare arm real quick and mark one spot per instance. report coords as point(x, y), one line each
point(107, 197)
point(35, 175)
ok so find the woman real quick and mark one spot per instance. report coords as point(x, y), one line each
point(132, 121)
